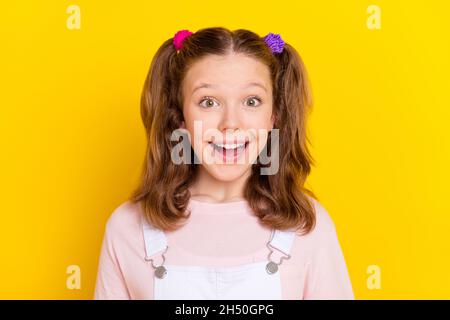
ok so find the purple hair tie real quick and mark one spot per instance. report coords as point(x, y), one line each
point(179, 37)
point(274, 42)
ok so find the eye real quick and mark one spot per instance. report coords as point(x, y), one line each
point(255, 98)
point(209, 104)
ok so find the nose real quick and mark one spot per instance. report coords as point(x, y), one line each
point(230, 120)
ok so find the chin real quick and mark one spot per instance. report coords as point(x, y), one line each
point(227, 173)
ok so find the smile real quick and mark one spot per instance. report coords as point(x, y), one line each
point(229, 152)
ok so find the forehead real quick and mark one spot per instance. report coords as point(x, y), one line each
point(230, 71)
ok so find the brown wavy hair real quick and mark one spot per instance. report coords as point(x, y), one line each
point(281, 200)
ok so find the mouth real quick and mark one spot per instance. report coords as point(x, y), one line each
point(229, 152)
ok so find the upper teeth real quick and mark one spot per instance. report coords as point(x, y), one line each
point(230, 146)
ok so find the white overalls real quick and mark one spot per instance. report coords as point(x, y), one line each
point(257, 281)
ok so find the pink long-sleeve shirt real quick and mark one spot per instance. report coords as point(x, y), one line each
point(220, 234)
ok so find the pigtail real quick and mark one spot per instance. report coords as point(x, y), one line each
point(294, 76)
point(154, 91)
point(162, 191)
point(286, 191)
point(295, 95)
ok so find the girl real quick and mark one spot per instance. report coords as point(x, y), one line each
point(233, 219)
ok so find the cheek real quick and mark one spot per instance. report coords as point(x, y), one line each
point(200, 130)
point(260, 123)
point(260, 119)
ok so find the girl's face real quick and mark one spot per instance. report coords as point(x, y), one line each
point(227, 108)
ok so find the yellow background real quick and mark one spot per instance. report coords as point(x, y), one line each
point(72, 141)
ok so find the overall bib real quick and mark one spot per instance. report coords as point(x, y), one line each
point(257, 281)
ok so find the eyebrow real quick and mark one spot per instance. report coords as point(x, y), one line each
point(208, 85)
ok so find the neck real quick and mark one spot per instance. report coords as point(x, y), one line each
point(208, 188)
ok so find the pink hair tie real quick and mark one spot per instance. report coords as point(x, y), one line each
point(179, 37)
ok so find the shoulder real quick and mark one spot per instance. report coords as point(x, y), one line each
point(324, 222)
point(321, 236)
point(124, 220)
point(324, 229)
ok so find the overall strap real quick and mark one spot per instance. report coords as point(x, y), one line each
point(154, 238)
point(282, 240)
